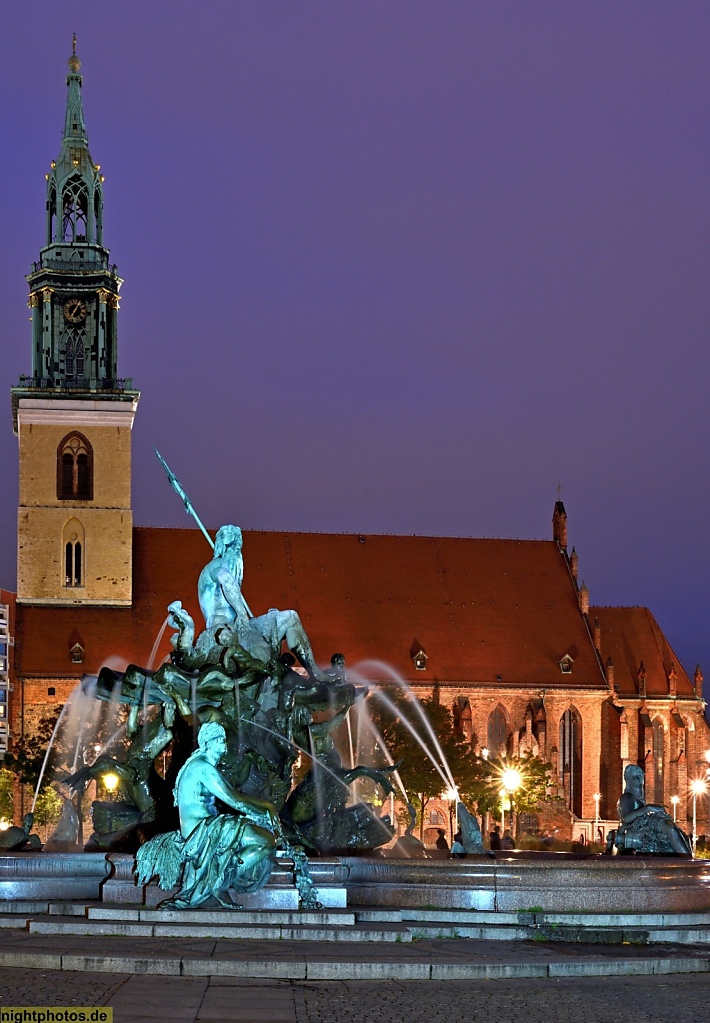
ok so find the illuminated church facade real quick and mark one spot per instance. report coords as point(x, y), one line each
point(501, 631)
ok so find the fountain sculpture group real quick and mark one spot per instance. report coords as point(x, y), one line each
point(265, 771)
point(257, 719)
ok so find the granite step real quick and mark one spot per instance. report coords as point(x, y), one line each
point(230, 927)
point(238, 917)
point(406, 964)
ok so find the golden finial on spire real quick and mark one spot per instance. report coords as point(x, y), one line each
point(74, 62)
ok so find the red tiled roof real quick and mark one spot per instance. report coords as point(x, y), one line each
point(630, 635)
point(478, 608)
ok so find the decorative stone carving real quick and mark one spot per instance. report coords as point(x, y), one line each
point(528, 745)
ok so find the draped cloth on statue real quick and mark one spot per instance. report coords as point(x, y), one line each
point(653, 833)
point(208, 860)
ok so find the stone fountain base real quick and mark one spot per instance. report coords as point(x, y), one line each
point(545, 882)
point(505, 885)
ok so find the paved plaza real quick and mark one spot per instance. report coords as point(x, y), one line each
point(146, 999)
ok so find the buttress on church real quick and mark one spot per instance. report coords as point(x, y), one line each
point(501, 631)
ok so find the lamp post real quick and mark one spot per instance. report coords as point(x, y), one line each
point(697, 787)
point(511, 783)
point(453, 798)
point(675, 800)
point(597, 797)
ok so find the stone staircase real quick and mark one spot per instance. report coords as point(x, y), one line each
point(358, 924)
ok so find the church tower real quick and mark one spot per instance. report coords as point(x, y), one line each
point(73, 416)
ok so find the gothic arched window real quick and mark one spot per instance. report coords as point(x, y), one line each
point(51, 214)
point(75, 210)
point(658, 774)
point(498, 733)
point(72, 347)
point(571, 759)
point(74, 547)
point(98, 219)
point(75, 469)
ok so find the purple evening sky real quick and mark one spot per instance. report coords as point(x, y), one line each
point(397, 267)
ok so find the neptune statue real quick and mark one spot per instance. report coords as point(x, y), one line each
point(225, 609)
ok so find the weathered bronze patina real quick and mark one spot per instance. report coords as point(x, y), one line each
point(258, 717)
point(644, 828)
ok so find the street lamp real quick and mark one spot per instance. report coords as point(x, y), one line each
point(597, 797)
point(503, 798)
point(511, 783)
point(697, 787)
point(675, 800)
point(485, 753)
point(452, 796)
point(110, 781)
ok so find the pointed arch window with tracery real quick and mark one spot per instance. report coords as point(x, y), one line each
point(74, 546)
point(498, 733)
point(51, 213)
point(71, 344)
point(75, 469)
point(570, 763)
point(658, 761)
point(75, 210)
point(98, 219)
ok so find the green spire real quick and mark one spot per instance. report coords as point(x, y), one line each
point(74, 127)
point(74, 193)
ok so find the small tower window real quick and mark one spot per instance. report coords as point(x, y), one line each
point(72, 551)
point(75, 469)
point(73, 544)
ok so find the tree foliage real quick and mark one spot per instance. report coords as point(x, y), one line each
point(27, 755)
point(485, 793)
point(48, 806)
point(419, 774)
point(6, 787)
point(478, 780)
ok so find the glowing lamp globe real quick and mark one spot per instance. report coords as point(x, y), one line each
point(511, 779)
point(110, 781)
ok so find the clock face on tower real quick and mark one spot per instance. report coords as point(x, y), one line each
point(74, 310)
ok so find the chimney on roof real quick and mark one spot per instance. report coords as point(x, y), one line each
point(610, 673)
point(698, 682)
point(597, 636)
point(574, 564)
point(583, 598)
point(672, 682)
point(559, 525)
point(641, 676)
